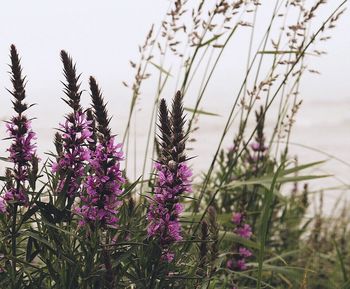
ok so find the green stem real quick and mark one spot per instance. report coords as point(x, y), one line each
point(13, 243)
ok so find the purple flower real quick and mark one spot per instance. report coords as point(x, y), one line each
point(245, 231)
point(229, 264)
point(165, 209)
point(16, 195)
point(103, 187)
point(168, 256)
point(22, 152)
point(2, 205)
point(76, 133)
point(244, 252)
point(241, 265)
point(237, 218)
point(258, 147)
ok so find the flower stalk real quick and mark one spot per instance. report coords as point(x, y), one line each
point(22, 151)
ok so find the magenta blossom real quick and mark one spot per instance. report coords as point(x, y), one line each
point(229, 264)
point(2, 205)
point(164, 211)
point(244, 252)
point(168, 256)
point(237, 218)
point(258, 147)
point(103, 187)
point(244, 231)
point(241, 265)
point(22, 152)
point(76, 133)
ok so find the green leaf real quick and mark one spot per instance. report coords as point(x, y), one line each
point(264, 222)
point(210, 40)
point(131, 187)
point(341, 262)
point(197, 111)
point(39, 239)
point(266, 181)
point(232, 237)
point(301, 167)
point(280, 52)
point(161, 69)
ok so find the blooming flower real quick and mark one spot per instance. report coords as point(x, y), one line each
point(76, 132)
point(238, 262)
point(236, 218)
point(258, 147)
point(100, 200)
point(245, 231)
point(241, 265)
point(165, 210)
point(244, 252)
point(229, 264)
point(168, 256)
point(2, 205)
point(22, 151)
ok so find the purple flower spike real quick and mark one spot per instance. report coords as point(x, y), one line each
point(173, 179)
point(22, 149)
point(238, 262)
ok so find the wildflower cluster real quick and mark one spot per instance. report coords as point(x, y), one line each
point(238, 262)
point(173, 178)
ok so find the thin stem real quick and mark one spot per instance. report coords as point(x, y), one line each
point(14, 245)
